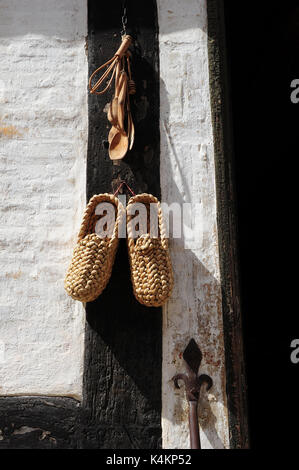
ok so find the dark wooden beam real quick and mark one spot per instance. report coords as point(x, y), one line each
point(38, 422)
point(123, 352)
point(226, 217)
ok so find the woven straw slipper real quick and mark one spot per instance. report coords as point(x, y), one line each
point(93, 257)
point(151, 270)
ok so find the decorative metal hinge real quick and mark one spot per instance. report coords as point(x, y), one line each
point(193, 383)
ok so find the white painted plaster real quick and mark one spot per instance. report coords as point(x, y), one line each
point(43, 141)
point(188, 175)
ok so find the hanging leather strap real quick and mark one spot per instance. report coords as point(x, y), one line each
point(111, 63)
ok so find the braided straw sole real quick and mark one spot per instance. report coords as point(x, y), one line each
point(151, 269)
point(93, 257)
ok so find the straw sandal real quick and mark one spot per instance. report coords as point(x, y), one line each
point(151, 269)
point(93, 257)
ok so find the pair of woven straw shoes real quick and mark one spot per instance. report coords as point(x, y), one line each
point(93, 257)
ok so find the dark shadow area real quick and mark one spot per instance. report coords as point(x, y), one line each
point(262, 51)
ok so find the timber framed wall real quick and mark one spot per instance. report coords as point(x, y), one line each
point(127, 389)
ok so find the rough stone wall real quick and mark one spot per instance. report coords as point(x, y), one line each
point(43, 135)
point(188, 175)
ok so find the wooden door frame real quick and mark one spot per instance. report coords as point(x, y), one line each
point(236, 387)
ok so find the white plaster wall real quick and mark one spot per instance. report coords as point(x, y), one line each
point(43, 137)
point(188, 175)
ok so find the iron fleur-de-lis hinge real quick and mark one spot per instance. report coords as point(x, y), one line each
point(193, 383)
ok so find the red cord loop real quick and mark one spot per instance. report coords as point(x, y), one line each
point(121, 184)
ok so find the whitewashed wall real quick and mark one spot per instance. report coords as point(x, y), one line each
point(43, 135)
point(188, 175)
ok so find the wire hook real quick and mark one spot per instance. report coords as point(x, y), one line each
point(124, 20)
